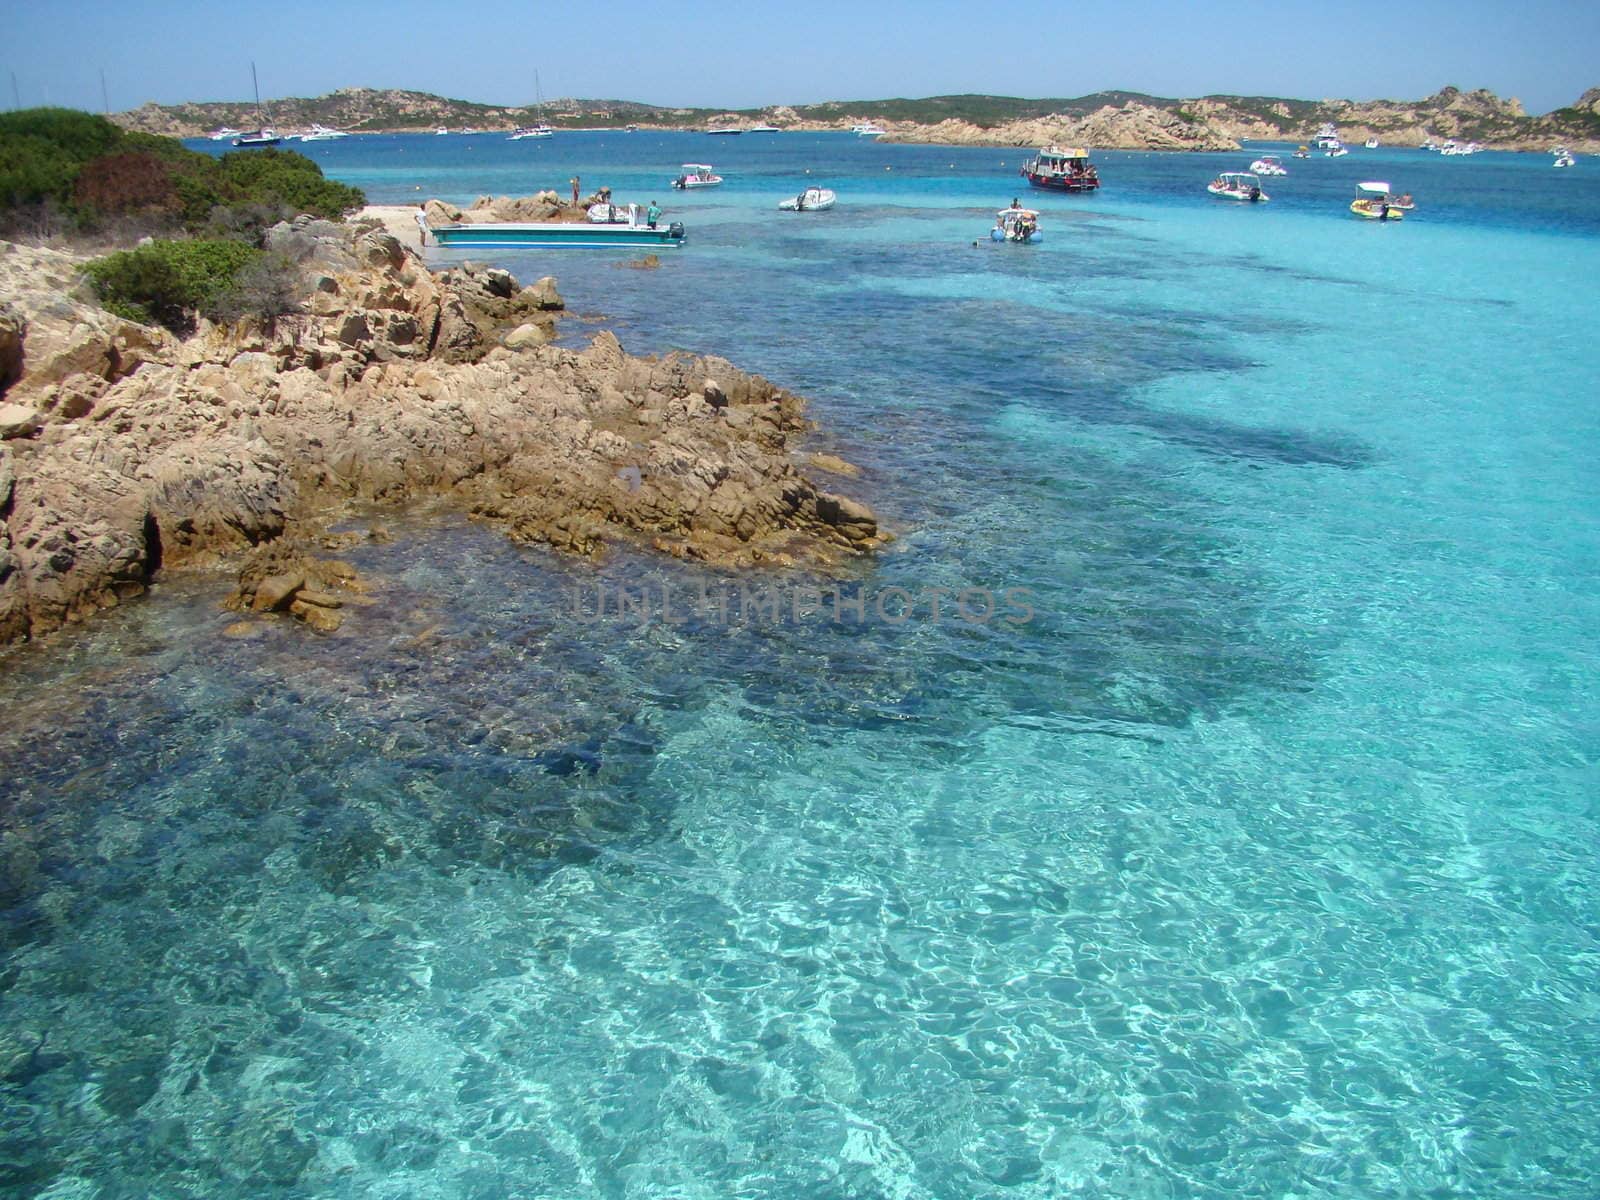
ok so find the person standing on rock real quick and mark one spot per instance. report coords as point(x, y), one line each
point(422, 223)
point(575, 179)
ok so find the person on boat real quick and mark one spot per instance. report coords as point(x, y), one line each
point(652, 214)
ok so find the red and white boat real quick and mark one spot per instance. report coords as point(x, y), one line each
point(1061, 170)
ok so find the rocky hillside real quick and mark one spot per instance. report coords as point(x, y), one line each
point(1479, 116)
point(124, 451)
point(369, 110)
point(1108, 120)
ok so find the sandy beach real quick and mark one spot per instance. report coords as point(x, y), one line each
point(400, 220)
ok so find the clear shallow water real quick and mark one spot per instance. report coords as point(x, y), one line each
point(1260, 862)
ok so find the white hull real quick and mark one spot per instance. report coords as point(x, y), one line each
point(812, 200)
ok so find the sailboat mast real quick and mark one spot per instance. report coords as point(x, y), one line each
point(256, 87)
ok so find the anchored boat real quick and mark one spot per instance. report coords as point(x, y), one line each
point(628, 232)
point(1061, 170)
point(1016, 225)
point(1237, 185)
point(697, 175)
point(1375, 202)
point(1269, 164)
point(813, 199)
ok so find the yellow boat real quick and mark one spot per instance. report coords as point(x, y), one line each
point(1375, 202)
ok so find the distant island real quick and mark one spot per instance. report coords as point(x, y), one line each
point(1103, 120)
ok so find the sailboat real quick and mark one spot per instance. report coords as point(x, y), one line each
point(541, 130)
point(260, 135)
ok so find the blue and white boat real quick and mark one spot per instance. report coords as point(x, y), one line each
point(1016, 225)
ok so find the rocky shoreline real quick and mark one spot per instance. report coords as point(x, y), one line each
point(1104, 121)
point(125, 451)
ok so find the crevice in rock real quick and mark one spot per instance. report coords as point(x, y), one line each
point(152, 546)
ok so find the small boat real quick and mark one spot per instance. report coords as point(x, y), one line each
point(697, 175)
point(1375, 202)
point(1564, 157)
point(1016, 225)
point(321, 133)
point(539, 129)
point(1060, 169)
point(1336, 152)
point(632, 232)
point(1371, 143)
point(440, 132)
point(868, 129)
point(762, 129)
point(813, 199)
point(261, 135)
point(608, 213)
point(1303, 152)
point(226, 133)
point(724, 131)
point(1269, 164)
point(1237, 185)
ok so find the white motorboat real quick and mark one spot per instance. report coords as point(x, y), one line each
point(1016, 225)
point(697, 175)
point(1564, 157)
point(321, 133)
point(868, 129)
point(225, 134)
point(1335, 152)
point(1327, 139)
point(762, 129)
point(813, 199)
point(1269, 164)
point(1371, 143)
point(725, 131)
point(1237, 185)
point(440, 132)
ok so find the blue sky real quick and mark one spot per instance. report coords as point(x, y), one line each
point(694, 52)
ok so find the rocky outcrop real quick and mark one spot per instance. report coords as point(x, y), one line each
point(140, 453)
point(1131, 126)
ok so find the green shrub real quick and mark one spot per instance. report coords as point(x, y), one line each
point(79, 135)
point(91, 169)
point(168, 283)
point(33, 171)
point(285, 178)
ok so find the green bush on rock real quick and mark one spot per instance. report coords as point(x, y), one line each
point(168, 283)
point(88, 169)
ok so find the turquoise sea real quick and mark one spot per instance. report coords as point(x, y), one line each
point(1261, 861)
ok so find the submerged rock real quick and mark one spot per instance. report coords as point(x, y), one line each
point(128, 452)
